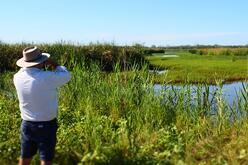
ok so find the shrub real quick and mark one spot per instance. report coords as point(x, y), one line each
point(193, 51)
point(105, 55)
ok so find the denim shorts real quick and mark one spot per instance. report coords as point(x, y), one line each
point(38, 136)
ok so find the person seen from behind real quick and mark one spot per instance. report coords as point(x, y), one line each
point(38, 102)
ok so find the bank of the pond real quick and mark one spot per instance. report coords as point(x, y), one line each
point(188, 68)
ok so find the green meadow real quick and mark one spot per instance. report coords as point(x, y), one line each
point(109, 113)
point(195, 68)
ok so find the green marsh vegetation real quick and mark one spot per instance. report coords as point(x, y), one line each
point(197, 67)
point(117, 118)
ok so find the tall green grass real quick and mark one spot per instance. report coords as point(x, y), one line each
point(105, 55)
point(118, 118)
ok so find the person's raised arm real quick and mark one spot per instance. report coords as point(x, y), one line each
point(51, 63)
point(59, 76)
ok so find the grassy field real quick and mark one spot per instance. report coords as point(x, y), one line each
point(118, 118)
point(194, 68)
point(109, 119)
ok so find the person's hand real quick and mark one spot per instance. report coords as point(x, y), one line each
point(50, 63)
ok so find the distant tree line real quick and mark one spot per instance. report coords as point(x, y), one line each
point(227, 51)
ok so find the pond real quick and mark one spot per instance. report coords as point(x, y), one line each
point(229, 92)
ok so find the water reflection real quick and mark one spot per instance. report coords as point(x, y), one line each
point(229, 92)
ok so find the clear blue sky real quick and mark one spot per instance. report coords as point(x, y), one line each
point(159, 22)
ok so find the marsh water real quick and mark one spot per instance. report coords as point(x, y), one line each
point(230, 93)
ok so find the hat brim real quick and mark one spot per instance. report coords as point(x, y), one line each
point(24, 64)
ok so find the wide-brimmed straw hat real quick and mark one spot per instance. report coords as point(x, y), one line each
point(31, 57)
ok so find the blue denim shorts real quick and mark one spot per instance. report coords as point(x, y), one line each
point(38, 136)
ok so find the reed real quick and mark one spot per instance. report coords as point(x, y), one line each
point(118, 118)
point(105, 55)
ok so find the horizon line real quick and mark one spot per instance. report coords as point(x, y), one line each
point(77, 43)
